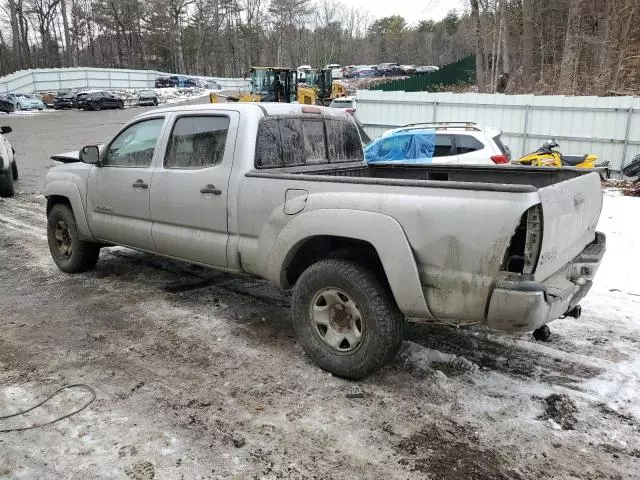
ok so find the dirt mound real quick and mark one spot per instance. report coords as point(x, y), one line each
point(627, 187)
point(450, 452)
point(560, 408)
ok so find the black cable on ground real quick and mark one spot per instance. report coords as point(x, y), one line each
point(67, 387)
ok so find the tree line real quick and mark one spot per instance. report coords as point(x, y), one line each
point(546, 46)
point(558, 46)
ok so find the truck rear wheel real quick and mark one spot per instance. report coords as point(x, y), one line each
point(345, 318)
point(70, 254)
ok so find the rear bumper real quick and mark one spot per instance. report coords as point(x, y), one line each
point(520, 305)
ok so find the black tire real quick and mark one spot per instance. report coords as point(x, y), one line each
point(82, 255)
point(382, 322)
point(96, 107)
point(6, 184)
point(14, 170)
point(542, 334)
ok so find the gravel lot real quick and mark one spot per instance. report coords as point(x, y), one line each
point(197, 373)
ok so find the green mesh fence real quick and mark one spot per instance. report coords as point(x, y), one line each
point(461, 72)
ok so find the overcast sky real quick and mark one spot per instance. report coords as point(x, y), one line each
point(412, 10)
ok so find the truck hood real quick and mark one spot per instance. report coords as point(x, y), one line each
point(72, 156)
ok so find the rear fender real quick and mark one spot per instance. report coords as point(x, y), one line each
point(381, 231)
point(71, 192)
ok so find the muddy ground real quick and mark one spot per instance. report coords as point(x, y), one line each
point(197, 374)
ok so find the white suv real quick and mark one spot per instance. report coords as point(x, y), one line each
point(8, 167)
point(463, 143)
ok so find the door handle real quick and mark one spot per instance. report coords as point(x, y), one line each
point(139, 184)
point(210, 189)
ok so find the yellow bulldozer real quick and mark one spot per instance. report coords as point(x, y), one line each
point(318, 87)
point(267, 84)
point(284, 85)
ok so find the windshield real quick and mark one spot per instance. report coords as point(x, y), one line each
point(262, 82)
point(341, 104)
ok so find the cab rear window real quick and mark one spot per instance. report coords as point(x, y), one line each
point(297, 141)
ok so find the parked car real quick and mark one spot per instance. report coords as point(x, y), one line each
point(6, 105)
point(147, 97)
point(348, 104)
point(390, 70)
point(364, 73)
point(362, 247)
point(99, 99)
point(175, 81)
point(166, 82)
point(64, 100)
point(8, 165)
point(25, 101)
point(336, 71)
point(452, 143)
point(352, 69)
point(427, 69)
point(211, 85)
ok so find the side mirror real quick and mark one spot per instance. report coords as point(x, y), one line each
point(90, 154)
point(4, 130)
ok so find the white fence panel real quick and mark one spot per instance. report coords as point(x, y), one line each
point(606, 126)
point(52, 79)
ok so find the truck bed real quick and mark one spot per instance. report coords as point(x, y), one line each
point(504, 178)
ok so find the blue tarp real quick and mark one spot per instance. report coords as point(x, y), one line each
point(406, 146)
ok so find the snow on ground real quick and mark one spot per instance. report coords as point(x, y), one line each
point(604, 341)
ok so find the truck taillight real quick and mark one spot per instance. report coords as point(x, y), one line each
point(352, 111)
point(524, 249)
point(499, 159)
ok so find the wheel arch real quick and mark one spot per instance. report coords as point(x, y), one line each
point(62, 192)
point(367, 237)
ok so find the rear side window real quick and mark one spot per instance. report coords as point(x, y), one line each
point(315, 148)
point(343, 141)
point(295, 141)
point(444, 146)
point(468, 144)
point(292, 142)
point(269, 146)
point(197, 142)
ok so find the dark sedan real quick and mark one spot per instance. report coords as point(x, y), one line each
point(98, 100)
point(6, 105)
point(64, 101)
point(390, 70)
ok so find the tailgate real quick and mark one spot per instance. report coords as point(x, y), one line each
point(570, 212)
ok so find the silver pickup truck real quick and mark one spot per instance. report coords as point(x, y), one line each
point(281, 192)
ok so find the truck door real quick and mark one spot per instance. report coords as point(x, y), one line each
point(118, 190)
point(190, 187)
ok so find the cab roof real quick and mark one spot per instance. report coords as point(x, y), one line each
point(266, 108)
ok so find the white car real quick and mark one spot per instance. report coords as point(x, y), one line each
point(348, 104)
point(336, 71)
point(8, 166)
point(463, 143)
point(24, 101)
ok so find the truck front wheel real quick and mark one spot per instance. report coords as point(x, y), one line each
point(70, 254)
point(345, 318)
